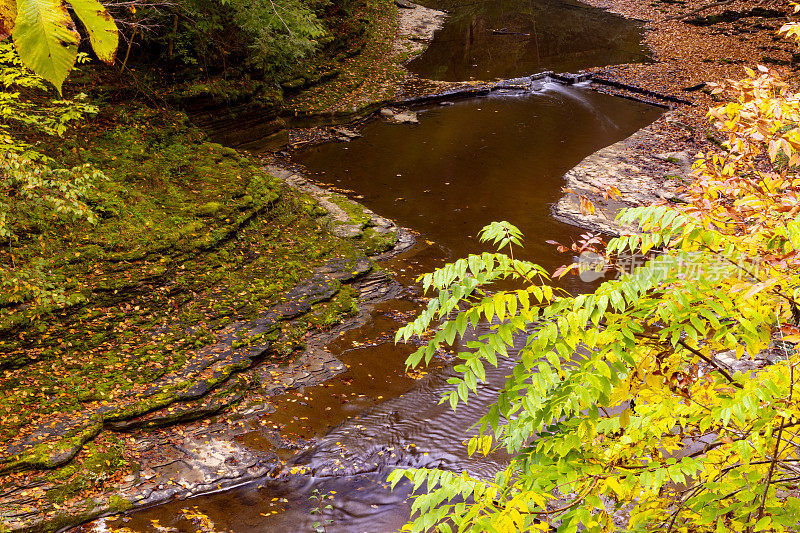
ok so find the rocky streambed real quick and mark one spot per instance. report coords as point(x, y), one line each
point(478, 149)
point(441, 176)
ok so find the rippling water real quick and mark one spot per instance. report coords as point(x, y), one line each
point(461, 167)
point(464, 165)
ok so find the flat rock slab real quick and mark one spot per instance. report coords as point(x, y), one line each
point(630, 167)
point(416, 25)
point(356, 221)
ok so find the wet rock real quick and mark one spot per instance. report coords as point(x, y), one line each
point(633, 171)
point(515, 84)
point(671, 196)
point(346, 134)
point(681, 159)
point(399, 117)
point(415, 28)
point(381, 224)
point(346, 231)
point(729, 362)
point(281, 173)
point(201, 464)
point(405, 117)
point(258, 409)
point(674, 120)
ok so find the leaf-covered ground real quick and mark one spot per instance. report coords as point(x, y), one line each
point(367, 73)
point(691, 48)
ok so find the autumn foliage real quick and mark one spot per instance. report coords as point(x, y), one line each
point(666, 400)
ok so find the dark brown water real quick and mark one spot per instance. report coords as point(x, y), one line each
point(488, 39)
point(461, 167)
point(479, 160)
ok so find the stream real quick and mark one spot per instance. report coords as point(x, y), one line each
point(487, 39)
point(464, 165)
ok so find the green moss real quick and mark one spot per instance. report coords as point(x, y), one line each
point(375, 243)
point(332, 312)
point(85, 511)
point(95, 464)
point(209, 209)
point(355, 211)
point(152, 283)
point(261, 338)
point(118, 504)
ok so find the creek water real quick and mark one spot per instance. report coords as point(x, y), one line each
point(487, 39)
point(462, 166)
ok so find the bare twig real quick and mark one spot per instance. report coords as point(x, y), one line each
point(760, 511)
point(128, 51)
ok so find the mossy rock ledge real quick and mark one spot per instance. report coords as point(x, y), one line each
point(214, 310)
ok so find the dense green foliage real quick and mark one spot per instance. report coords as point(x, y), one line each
point(668, 394)
point(262, 39)
point(269, 36)
point(266, 40)
point(35, 190)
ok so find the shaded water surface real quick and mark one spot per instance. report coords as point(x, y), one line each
point(487, 39)
point(479, 160)
point(461, 167)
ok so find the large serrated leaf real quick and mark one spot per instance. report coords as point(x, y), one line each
point(45, 38)
point(102, 30)
point(8, 16)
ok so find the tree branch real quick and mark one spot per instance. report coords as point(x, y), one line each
point(760, 511)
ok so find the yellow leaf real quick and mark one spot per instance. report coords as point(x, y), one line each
point(586, 206)
point(624, 418)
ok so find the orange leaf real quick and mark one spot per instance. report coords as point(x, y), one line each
point(587, 207)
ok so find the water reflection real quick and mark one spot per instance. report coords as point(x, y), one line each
point(481, 160)
point(490, 39)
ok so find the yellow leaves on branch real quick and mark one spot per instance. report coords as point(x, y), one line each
point(752, 189)
point(764, 111)
point(46, 38)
